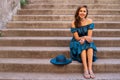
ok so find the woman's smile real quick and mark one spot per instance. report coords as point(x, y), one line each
point(82, 12)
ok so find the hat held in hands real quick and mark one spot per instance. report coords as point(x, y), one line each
point(60, 60)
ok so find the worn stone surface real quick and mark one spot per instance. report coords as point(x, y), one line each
point(56, 32)
point(71, 6)
point(7, 9)
point(59, 24)
point(50, 52)
point(44, 66)
point(66, 12)
point(55, 41)
point(55, 76)
point(63, 17)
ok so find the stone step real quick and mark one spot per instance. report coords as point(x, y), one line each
point(55, 76)
point(55, 32)
point(63, 17)
point(56, 1)
point(107, 1)
point(59, 24)
point(44, 66)
point(71, 6)
point(55, 41)
point(73, 2)
point(50, 52)
point(66, 11)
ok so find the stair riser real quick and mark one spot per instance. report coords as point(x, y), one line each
point(58, 69)
point(106, 1)
point(55, 43)
point(58, 25)
point(66, 12)
point(48, 33)
point(73, 2)
point(74, 6)
point(63, 18)
point(55, 2)
point(51, 54)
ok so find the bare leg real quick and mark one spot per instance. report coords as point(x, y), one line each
point(90, 59)
point(84, 61)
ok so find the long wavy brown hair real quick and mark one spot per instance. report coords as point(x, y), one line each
point(77, 18)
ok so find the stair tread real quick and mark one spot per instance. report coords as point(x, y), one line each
point(53, 29)
point(74, 9)
point(69, 5)
point(54, 48)
point(65, 15)
point(55, 76)
point(75, 4)
point(55, 38)
point(71, 2)
point(107, 22)
point(47, 61)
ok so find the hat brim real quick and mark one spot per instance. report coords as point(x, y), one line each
point(53, 61)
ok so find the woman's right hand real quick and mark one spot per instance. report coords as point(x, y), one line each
point(82, 40)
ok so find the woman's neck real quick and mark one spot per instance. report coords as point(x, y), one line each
point(83, 19)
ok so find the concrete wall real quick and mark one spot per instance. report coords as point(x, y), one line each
point(7, 9)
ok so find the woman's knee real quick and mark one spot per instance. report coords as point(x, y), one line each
point(90, 50)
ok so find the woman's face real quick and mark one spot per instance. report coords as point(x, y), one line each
point(82, 12)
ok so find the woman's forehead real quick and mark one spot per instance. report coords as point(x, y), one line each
point(83, 8)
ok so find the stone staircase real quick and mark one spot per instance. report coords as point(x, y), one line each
point(41, 30)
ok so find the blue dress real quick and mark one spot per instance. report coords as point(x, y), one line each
point(76, 48)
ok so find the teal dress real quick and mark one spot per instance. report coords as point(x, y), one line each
point(76, 48)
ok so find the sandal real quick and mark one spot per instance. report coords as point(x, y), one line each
point(86, 75)
point(92, 75)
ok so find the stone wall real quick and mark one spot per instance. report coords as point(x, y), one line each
point(7, 9)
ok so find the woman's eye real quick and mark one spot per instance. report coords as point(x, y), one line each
point(80, 11)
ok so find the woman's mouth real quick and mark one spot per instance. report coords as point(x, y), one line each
point(82, 15)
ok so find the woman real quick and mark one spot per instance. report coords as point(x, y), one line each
point(82, 47)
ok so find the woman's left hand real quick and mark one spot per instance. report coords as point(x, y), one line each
point(88, 39)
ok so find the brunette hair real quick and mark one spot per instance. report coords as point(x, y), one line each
point(77, 18)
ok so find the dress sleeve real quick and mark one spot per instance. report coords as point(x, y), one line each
point(91, 26)
point(73, 30)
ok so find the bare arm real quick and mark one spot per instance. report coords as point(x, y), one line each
point(90, 31)
point(75, 34)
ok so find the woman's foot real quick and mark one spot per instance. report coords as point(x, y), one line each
point(86, 74)
point(92, 75)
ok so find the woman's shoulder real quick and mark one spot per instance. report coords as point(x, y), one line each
point(89, 21)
